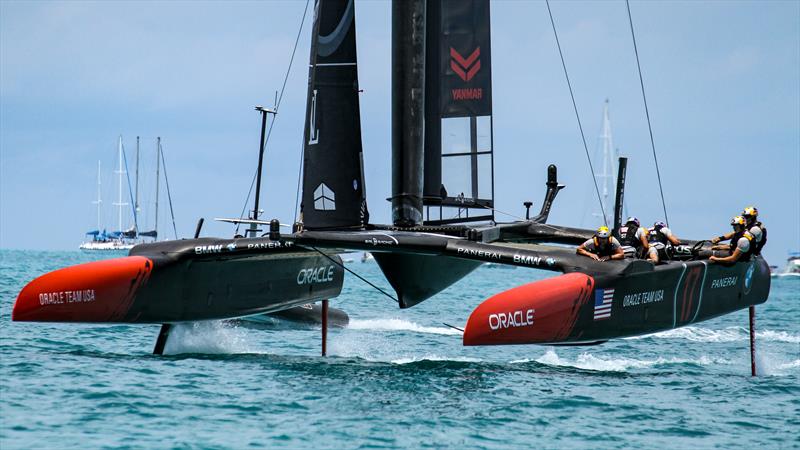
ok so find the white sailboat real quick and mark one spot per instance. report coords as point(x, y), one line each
point(116, 240)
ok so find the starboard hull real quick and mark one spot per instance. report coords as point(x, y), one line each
point(579, 308)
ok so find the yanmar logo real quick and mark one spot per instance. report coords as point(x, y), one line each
point(466, 69)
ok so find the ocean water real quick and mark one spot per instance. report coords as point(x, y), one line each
point(393, 379)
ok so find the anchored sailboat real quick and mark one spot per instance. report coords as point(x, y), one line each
point(121, 239)
point(124, 239)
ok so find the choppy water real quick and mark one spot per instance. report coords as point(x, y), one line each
point(395, 379)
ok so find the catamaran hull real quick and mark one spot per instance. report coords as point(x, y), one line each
point(578, 308)
point(165, 284)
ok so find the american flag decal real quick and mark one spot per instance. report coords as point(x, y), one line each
point(602, 303)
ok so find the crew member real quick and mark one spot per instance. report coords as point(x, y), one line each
point(658, 237)
point(633, 238)
point(602, 247)
point(756, 228)
point(742, 245)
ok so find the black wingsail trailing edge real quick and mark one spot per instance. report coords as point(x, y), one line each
point(458, 112)
point(333, 180)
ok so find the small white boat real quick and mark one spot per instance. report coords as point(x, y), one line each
point(108, 245)
point(792, 269)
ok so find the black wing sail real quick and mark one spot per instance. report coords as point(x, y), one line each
point(459, 179)
point(333, 180)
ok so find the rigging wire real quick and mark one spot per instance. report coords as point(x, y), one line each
point(514, 216)
point(130, 191)
point(577, 116)
point(169, 195)
point(277, 105)
point(647, 112)
point(355, 274)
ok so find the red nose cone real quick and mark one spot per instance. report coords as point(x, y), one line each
point(100, 291)
point(536, 313)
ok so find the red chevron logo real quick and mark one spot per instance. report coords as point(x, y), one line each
point(465, 68)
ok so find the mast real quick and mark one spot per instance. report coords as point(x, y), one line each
point(158, 169)
point(606, 177)
point(136, 197)
point(99, 200)
point(264, 111)
point(408, 111)
point(119, 203)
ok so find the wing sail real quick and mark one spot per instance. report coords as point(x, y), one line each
point(333, 180)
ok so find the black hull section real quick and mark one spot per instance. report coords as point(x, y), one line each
point(186, 280)
point(578, 308)
point(692, 292)
point(418, 277)
point(236, 286)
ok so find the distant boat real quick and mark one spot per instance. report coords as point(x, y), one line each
point(115, 240)
point(126, 239)
point(792, 269)
point(366, 257)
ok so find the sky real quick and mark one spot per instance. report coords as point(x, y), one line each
point(722, 80)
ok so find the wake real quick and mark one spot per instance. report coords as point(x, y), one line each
point(209, 337)
point(398, 325)
point(730, 334)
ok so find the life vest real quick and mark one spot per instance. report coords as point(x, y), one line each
point(627, 236)
point(760, 244)
point(655, 235)
point(745, 256)
point(603, 251)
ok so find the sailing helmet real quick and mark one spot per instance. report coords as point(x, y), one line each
point(633, 220)
point(750, 213)
point(602, 232)
point(659, 225)
point(738, 221)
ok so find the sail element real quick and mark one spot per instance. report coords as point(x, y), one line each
point(459, 180)
point(333, 180)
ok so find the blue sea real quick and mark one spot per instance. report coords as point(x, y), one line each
point(394, 378)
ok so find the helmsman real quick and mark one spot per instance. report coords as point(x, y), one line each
point(742, 246)
point(659, 237)
point(753, 226)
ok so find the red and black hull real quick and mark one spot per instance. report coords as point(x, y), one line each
point(187, 280)
point(580, 308)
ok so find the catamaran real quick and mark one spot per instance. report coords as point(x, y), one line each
point(443, 212)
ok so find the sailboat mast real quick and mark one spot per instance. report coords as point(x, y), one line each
point(119, 203)
point(608, 154)
point(98, 201)
point(136, 197)
point(606, 177)
point(158, 169)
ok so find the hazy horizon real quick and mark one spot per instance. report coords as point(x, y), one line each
point(722, 80)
